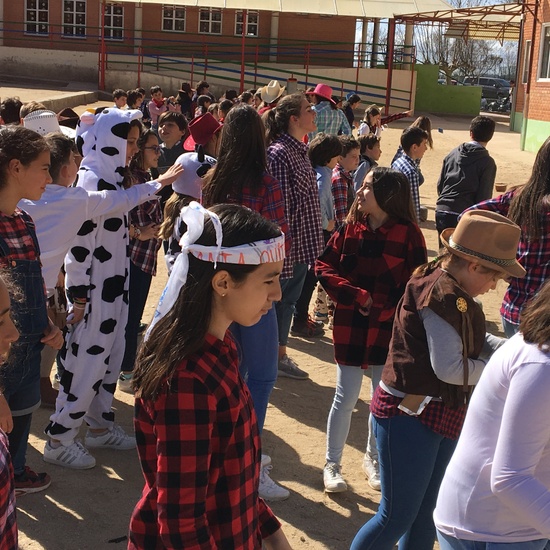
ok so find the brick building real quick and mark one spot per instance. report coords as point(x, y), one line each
point(532, 108)
point(178, 30)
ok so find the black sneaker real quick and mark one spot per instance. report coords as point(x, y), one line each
point(31, 482)
point(307, 329)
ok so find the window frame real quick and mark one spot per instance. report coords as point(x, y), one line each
point(173, 19)
point(111, 28)
point(74, 25)
point(210, 21)
point(526, 59)
point(37, 23)
point(248, 13)
point(545, 27)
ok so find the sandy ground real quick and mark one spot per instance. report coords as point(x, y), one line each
point(89, 510)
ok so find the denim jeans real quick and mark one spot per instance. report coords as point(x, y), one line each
point(292, 288)
point(412, 460)
point(450, 543)
point(509, 328)
point(348, 387)
point(258, 350)
point(140, 283)
point(302, 304)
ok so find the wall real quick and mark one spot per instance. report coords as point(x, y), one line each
point(49, 64)
point(443, 99)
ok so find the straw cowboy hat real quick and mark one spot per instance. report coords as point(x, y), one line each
point(324, 91)
point(202, 129)
point(271, 92)
point(486, 238)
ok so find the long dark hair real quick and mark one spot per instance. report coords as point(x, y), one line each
point(277, 120)
point(535, 319)
point(180, 333)
point(241, 158)
point(392, 193)
point(532, 201)
point(172, 209)
point(17, 142)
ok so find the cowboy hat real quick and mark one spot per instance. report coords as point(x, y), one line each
point(271, 92)
point(324, 91)
point(45, 122)
point(202, 129)
point(486, 238)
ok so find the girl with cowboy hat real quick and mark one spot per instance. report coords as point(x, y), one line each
point(438, 351)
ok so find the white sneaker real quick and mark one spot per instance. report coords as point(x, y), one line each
point(266, 460)
point(372, 471)
point(269, 490)
point(125, 382)
point(74, 456)
point(332, 478)
point(115, 438)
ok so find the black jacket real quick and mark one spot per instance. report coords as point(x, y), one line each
point(467, 178)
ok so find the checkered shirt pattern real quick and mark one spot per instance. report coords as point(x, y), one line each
point(15, 231)
point(436, 416)
point(342, 182)
point(199, 447)
point(144, 253)
point(408, 166)
point(359, 263)
point(289, 164)
point(8, 525)
point(533, 255)
point(329, 120)
point(267, 201)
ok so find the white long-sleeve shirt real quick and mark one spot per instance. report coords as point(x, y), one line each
point(61, 211)
point(497, 485)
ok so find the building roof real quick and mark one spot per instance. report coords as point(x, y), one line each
point(499, 22)
point(354, 8)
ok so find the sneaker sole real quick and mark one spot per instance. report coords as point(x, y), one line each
point(274, 498)
point(68, 465)
point(112, 447)
point(284, 374)
point(303, 335)
point(28, 491)
point(375, 486)
point(337, 489)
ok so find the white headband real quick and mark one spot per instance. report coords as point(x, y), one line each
point(255, 253)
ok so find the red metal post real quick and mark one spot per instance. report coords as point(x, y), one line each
point(205, 60)
point(358, 66)
point(413, 63)
point(103, 56)
point(242, 50)
point(256, 66)
point(140, 53)
point(192, 68)
point(389, 53)
point(307, 63)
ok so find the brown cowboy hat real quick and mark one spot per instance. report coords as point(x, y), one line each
point(486, 238)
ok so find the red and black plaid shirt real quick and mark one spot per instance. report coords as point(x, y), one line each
point(359, 263)
point(144, 253)
point(199, 447)
point(436, 416)
point(342, 193)
point(15, 231)
point(267, 201)
point(8, 524)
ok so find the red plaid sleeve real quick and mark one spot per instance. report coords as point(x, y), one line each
point(393, 118)
point(339, 195)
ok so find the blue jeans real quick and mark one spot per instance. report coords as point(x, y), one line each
point(509, 328)
point(259, 349)
point(412, 460)
point(450, 543)
point(348, 387)
point(292, 288)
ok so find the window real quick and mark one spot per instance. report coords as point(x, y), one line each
point(114, 22)
point(526, 62)
point(74, 18)
point(252, 18)
point(173, 18)
point(544, 65)
point(36, 16)
point(210, 21)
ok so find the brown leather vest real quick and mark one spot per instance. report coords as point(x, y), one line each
point(408, 367)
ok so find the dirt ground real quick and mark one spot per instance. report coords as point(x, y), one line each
point(89, 510)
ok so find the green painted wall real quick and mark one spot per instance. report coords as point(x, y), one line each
point(536, 132)
point(443, 99)
point(516, 121)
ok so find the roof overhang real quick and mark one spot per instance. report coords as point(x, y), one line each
point(371, 9)
point(499, 22)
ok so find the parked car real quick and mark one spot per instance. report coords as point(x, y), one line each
point(491, 87)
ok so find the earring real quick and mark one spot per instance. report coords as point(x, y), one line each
point(224, 295)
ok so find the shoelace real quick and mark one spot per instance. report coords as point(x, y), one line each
point(334, 469)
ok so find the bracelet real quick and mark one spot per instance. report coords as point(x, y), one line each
point(137, 232)
point(79, 300)
point(77, 305)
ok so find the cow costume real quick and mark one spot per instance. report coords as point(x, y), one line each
point(97, 267)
